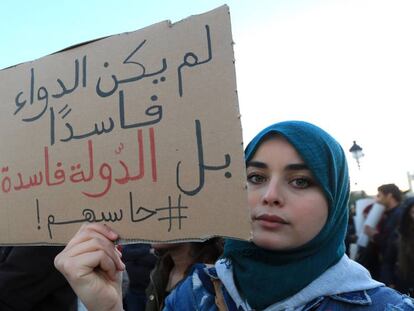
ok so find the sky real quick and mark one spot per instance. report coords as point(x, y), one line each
point(345, 65)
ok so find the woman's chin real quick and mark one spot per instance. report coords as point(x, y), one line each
point(269, 242)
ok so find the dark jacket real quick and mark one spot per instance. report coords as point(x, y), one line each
point(158, 283)
point(405, 272)
point(388, 229)
point(30, 282)
point(139, 262)
point(386, 240)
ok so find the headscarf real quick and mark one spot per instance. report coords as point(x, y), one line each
point(265, 277)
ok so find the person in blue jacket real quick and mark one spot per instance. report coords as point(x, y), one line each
point(298, 190)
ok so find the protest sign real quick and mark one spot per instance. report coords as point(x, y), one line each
point(139, 130)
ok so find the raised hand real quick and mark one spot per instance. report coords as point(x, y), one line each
point(92, 265)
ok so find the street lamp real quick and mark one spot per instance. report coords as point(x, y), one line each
point(357, 153)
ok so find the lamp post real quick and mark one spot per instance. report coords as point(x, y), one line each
point(357, 153)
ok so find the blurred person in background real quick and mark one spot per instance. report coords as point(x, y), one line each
point(174, 264)
point(30, 282)
point(139, 261)
point(385, 237)
point(405, 271)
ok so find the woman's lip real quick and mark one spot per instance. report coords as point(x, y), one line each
point(271, 218)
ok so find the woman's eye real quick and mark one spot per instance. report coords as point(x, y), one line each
point(256, 179)
point(301, 182)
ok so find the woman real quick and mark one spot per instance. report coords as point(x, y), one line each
point(298, 189)
point(174, 264)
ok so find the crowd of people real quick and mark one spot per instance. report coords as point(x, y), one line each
point(389, 254)
point(298, 194)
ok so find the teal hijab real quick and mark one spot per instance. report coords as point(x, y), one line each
point(265, 277)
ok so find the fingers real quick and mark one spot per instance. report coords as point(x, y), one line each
point(92, 247)
point(87, 229)
point(97, 243)
point(91, 263)
point(84, 264)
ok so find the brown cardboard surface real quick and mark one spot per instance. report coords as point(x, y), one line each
point(139, 130)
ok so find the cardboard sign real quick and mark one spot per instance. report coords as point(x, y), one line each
point(140, 131)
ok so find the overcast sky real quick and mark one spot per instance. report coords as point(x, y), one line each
point(345, 65)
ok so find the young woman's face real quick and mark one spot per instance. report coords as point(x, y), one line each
point(287, 207)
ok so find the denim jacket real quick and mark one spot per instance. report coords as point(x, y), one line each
point(353, 290)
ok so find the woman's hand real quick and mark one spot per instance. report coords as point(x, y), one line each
point(92, 265)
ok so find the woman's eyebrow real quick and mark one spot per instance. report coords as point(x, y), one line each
point(296, 167)
point(256, 164)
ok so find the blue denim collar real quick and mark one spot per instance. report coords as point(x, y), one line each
point(351, 282)
point(360, 298)
point(357, 298)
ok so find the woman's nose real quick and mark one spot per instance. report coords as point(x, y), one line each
point(273, 195)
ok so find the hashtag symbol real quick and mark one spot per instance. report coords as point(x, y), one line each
point(174, 213)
